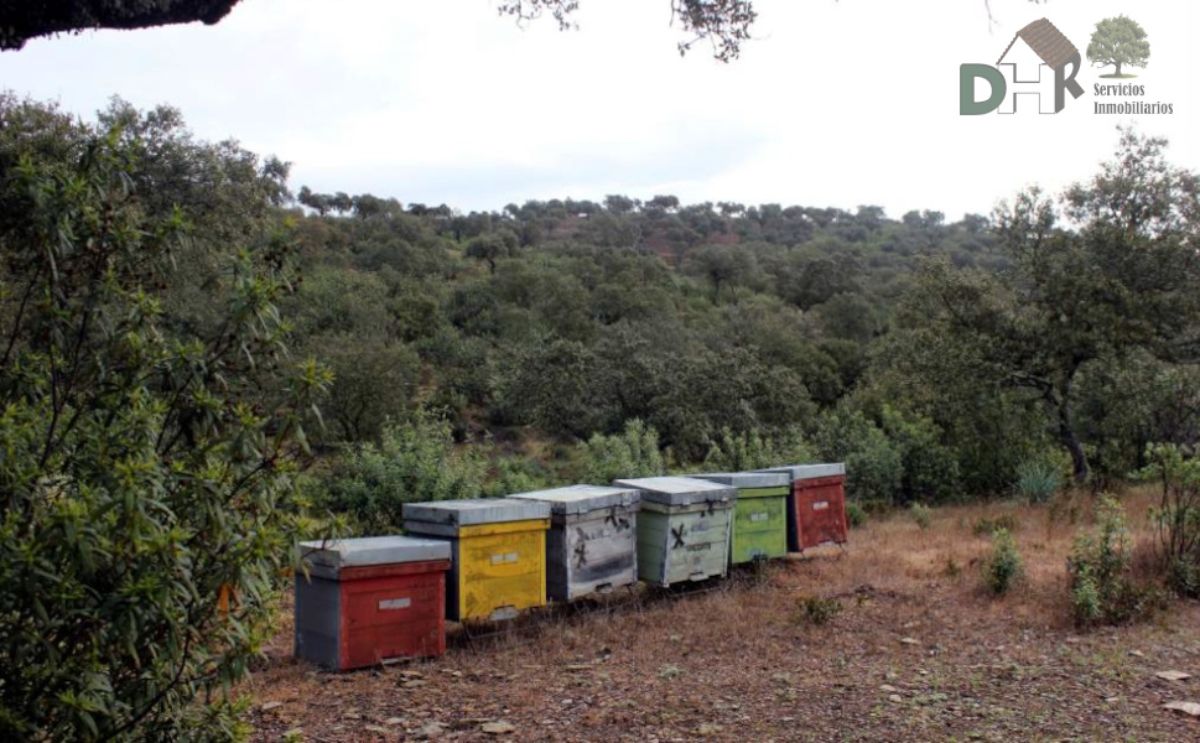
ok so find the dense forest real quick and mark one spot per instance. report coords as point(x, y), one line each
point(201, 366)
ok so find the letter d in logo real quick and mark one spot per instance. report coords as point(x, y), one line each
point(967, 75)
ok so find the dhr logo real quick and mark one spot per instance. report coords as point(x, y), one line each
point(1040, 64)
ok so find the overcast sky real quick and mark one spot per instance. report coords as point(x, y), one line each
point(835, 103)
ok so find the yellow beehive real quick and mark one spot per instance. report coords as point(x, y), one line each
point(498, 553)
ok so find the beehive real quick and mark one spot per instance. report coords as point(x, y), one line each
point(360, 602)
point(497, 550)
point(682, 528)
point(817, 509)
point(592, 543)
point(759, 514)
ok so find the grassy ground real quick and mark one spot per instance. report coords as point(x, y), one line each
point(918, 651)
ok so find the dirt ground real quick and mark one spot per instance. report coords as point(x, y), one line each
point(918, 651)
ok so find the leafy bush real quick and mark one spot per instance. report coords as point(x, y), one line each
point(987, 526)
point(632, 453)
point(1038, 480)
point(931, 470)
point(415, 461)
point(1102, 588)
point(816, 610)
point(1177, 518)
point(734, 452)
point(856, 515)
point(1003, 567)
point(144, 472)
point(921, 514)
point(874, 463)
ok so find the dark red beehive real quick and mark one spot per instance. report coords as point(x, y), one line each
point(817, 508)
point(365, 601)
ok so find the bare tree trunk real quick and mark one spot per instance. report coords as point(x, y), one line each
point(1069, 439)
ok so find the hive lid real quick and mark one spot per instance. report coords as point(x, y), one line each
point(576, 499)
point(679, 491)
point(475, 511)
point(345, 553)
point(810, 471)
point(748, 479)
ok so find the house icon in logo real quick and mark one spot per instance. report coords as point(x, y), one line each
point(1039, 67)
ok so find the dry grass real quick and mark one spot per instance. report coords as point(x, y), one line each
point(919, 650)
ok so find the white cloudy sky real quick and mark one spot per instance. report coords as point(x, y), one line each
point(836, 102)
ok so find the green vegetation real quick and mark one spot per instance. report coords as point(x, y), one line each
point(1003, 566)
point(921, 514)
point(1103, 590)
point(145, 474)
point(1177, 518)
point(1038, 480)
point(816, 611)
point(987, 526)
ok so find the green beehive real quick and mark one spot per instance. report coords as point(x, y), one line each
point(759, 515)
point(682, 529)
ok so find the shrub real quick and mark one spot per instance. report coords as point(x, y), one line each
point(856, 515)
point(874, 464)
point(414, 462)
point(1177, 518)
point(632, 453)
point(816, 610)
point(930, 468)
point(921, 514)
point(1003, 567)
point(986, 526)
point(734, 452)
point(1038, 480)
point(148, 457)
point(1102, 588)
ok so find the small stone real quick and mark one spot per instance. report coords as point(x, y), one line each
point(909, 641)
point(375, 729)
point(432, 730)
point(1173, 675)
point(413, 684)
point(498, 727)
point(268, 706)
point(708, 728)
point(1187, 708)
point(888, 688)
point(412, 674)
point(1112, 700)
point(895, 698)
point(394, 721)
point(1137, 653)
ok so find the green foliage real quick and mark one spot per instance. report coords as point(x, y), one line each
point(874, 464)
point(931, 471)
point(856, 515)
point(921, 514)
point(816, 611)
point(145, 472)
point(1003, 566)
point(1119, 41)
point(987, 526)
point(1102, 588)
point(414, 461)
point(1038, 480)
point(632, 453)
point(733, 452)
point(1177, 517)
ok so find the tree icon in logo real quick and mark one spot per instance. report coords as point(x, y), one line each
point(1119, 42)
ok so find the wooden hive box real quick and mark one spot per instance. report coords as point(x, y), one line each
point(497, 553)
point(760, 514)
point(682, 528)
point(817, 510)
point(592, 543)
point(360, 602)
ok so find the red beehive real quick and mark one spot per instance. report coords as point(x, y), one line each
point(817, 508)
point(368, 600)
